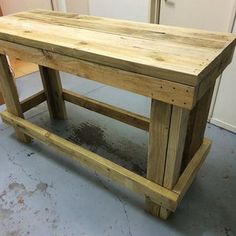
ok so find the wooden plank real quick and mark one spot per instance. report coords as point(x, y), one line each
point(53, 91)
point(126, 178)
point(122, 115)
point(192, 169)
point(196, 126)
point(176, 141)
point(158, 141)
point(10, 95)
point(166, 55)
point(33, 101)
point(163, 90)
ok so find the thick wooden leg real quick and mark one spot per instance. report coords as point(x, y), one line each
point(196, 126)
point(168, 127)
point(174, 154)
point(10, 95)
point(53, 90)
point(158, 140)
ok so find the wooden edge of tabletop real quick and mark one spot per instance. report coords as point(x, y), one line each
point(167, 91)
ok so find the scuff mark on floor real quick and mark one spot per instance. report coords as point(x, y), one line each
point(5, 213)
point(124, 153)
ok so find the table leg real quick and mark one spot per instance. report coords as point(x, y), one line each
point(158, 141)
point(168, 128)
point(10, 95)
point(196, 127)
point(53, 90)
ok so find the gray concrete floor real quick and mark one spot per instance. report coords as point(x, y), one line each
point(43, 193)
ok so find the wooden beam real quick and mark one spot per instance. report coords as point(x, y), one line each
point(33, 101)
point(158, 141)
point(163, 90)
point(174, 155)
point(10, 94)
point(126, 178)
point(192, 169)
point(53, 90)
point(196, 126)
point(120, 114)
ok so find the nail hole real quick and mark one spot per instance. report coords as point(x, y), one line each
point(173, 87)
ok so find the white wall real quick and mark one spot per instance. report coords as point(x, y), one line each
point(224, 113)
point(78, 6)
point(12, 6)
point(137, 10)
point(210, 15)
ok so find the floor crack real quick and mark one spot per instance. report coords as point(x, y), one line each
point(120, 200)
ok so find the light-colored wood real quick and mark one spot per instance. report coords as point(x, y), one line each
point(170, 53)
point(174, 155)
point(155, 192)
point(10, 95)
point(33, 101)
point(53, 91)
point(160, 118)
point(163, 90)
point(192, 169)
point(122, 115)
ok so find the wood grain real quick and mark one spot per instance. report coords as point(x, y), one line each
point(158, 142)
point(170, 53)
point(10, 95)
point(53, 91)
point(163, 90)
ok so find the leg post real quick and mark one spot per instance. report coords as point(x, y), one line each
point(196, 126)
point(174, 154)
point(158, 141)
point(168, 128)
point(53, 90)
point(10, 95)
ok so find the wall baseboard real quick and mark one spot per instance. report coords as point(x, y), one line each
point(223, 125)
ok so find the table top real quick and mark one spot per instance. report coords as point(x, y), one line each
point(171, 53)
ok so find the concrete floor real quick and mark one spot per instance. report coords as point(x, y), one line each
point(42, 193)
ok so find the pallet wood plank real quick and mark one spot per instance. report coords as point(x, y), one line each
point(163, 90)
point(181, 55)
point(192, 169)
point(33, 101)
point(122, 115)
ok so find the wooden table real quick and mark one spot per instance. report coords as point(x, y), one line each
point(175, 67)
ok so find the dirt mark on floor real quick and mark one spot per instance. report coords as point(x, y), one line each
point(125, 153)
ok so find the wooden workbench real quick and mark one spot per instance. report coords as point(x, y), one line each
point(175, 67)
